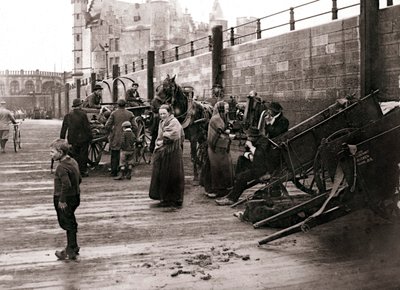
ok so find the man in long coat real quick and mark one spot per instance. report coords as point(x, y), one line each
point(79, 135)
point(5, 117)
point(114, 125)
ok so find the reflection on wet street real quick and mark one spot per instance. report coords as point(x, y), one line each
point(127, 243)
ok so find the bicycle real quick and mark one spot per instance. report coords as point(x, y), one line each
point(17, 137)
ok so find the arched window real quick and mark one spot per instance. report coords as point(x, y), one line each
point(29, 87)
point(47, 87)
point(14, 87)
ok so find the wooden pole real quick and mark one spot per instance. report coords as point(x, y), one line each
point(369, 47)
point(150, 74)
point(217, 47)
point(115, 74)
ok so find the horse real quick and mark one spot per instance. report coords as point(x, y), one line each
point(193, 116)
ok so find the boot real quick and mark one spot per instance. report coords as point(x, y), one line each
point(121, 174)
point(128, 173)
point(72, 245)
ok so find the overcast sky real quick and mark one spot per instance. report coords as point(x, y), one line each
point(37, 34)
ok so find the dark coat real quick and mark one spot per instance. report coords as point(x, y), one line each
point(78, 127)
point(132, 97)
point(92, 101)
point(114, 124)
point(281, 125)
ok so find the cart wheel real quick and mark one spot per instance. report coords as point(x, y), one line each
point(146, 151)
point(96, 149)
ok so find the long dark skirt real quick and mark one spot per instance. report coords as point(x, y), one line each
point(221, 171)
point(167, 179)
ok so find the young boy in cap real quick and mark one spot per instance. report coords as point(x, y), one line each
point(128, 140)
point(66, 196)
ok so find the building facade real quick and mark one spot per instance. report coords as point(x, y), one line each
point(108, 32)
point(29, 90)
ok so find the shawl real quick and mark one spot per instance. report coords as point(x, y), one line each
point(170, 135)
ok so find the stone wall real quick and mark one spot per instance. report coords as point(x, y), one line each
point(389, 42)
point(304, 70)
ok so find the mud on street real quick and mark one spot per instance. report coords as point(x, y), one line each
point(127, 243)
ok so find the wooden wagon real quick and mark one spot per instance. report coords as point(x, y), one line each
point(313, 156)
point(100, 136)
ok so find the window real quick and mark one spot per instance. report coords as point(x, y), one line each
point(77, 16)
point(29, 87)
point(117, 60)
point(111, 60)
point(78, 60)
point(78, 37)
point(117, 44)
point(14, 87)
point(110, 29)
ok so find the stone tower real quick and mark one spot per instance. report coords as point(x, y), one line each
point(79, 9)
point(159, 23)
point(216, 17)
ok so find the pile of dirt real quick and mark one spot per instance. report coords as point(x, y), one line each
point(200, 263)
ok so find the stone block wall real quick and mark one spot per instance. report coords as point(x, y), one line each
point(304, 70)
point(389, 42)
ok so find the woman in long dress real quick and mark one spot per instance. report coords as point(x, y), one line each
point(167, 180)
point(221, 171)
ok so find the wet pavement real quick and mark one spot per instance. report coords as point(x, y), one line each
point(127, 243)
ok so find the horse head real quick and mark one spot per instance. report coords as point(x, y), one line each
point(169, 92)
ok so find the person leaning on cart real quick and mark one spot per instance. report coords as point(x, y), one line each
point(79, 135)
point(5, 118)
point(94, 99)
point(114, 126)
point(133, 98)
point(259, 159)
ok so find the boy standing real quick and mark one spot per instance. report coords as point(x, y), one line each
point(66, 196)
point(128, 140)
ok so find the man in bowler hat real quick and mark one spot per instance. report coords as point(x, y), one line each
point(77, 125)
point(94, 99)
point(272, 122)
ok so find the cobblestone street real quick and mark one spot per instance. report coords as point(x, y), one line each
point(127, 243)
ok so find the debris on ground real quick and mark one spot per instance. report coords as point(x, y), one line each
point(176, 273)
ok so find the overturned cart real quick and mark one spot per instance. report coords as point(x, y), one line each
point(349, 159)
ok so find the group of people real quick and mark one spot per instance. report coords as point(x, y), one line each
point(167, 180)
point(218, 177)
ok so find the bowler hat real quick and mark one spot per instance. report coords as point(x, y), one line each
point(135, 84)
point(97, 87)
point(76, 102)
point(253, 132)
point(275, 107)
